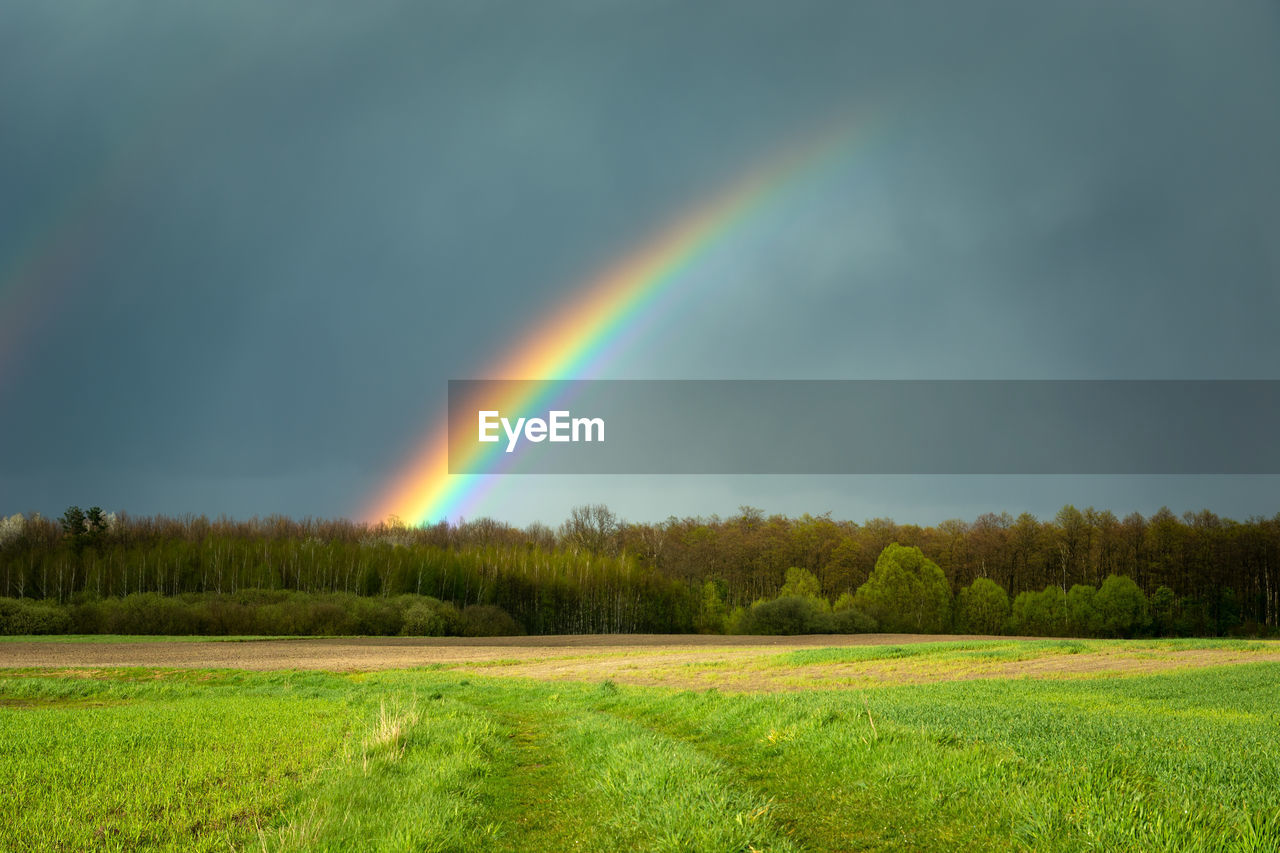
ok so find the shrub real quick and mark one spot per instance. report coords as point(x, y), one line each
point(228, 616)
point(851, 620)
point(25, 616)
point(324, 617)
point(790, 614)
point(147, 613)
point(487, 620)
point(377, 617)
point(250, 611)
point(429, 617)
point(794, 614)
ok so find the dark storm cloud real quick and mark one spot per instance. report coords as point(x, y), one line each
point(1090, 195)
point(301, 221)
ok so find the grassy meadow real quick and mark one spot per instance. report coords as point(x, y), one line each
point(446, 759)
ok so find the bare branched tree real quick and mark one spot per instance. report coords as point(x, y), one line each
point(592, 528)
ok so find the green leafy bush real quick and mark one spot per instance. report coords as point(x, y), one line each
point(851, 620)
point(25, 616)
point(253, 611)
point(794, 614)
point(790, 614)
point(487, 620)
point(430, 617)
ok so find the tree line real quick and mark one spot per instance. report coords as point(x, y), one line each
point(909, 593)
point(1198, 574)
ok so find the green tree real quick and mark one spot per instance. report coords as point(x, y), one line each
point(1123, 606)
point(982, 607)
point(1163, 605)
point(73, 522)
point(1042, 614)
point(801, 583)
point(592, 528)
point(74, 528)
point(906, 592)
point(1083, 617)
point(95, 520)
point(713, 607)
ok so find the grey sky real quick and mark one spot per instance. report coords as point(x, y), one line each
point(243, 246)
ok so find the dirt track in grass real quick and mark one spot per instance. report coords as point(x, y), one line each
point(682, 661)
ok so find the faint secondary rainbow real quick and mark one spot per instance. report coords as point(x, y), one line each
point(60, 243)
point(584, 333)
point(54, 252)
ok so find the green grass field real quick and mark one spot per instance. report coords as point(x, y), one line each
point(437, 759)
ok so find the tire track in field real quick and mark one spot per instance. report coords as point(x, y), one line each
point(611, 783)
point(535, 800)
point(847, 814)
point(749, 777)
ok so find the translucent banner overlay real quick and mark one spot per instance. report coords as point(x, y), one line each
point(864, 427)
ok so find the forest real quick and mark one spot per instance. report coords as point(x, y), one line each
point(1082, 573)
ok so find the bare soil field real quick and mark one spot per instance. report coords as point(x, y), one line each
point(740, 671)
point(682, 661)
point(342, 654)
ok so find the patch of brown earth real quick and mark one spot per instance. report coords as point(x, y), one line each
point(371, 653)
point(683, 661)
point(748, 670)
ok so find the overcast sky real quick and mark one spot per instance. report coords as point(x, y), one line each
point(243, 246)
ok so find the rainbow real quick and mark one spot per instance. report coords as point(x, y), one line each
point(585, 333)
